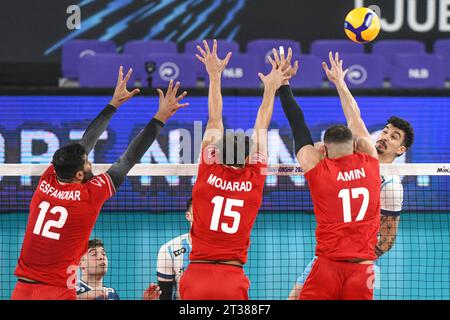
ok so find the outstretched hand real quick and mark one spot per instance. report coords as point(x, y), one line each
point(170, 103)
point(121, 93)
point(214, 65)
point(336, 74)
point(281, 71)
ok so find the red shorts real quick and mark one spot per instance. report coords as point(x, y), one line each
point(336, 280)
point(40, 291)
point(204, 281)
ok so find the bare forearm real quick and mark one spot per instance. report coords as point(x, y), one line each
point(215, 98)
point(388, 234)
point(265, 110)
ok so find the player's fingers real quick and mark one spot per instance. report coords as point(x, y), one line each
point(325, 67)
point(182, 105)
point(128, 76)
point(345, 72)
point(341, 63)
point(160, 93)
point(273, 63)
point(289, 56)
point(175, 89)
point(330, 57)
point(287, 71)
point(182, 96)
point(200, 58)
point(120, 75)
point(201, 51)
point(214, 46)
point(275, 54)
point(295, 69)
point(169, 88)
point(205, 43)
point(261, 76)
point(227, 58)
point(336, 58)
point(134, 92)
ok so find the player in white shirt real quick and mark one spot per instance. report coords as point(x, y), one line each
point(394, 140)
point(173, 259)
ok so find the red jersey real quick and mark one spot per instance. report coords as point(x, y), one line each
point(225, 203)
point(346, 197)
point(61, 220)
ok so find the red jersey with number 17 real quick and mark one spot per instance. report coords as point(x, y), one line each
point(61, 220)
point(346, 197)
point(225, 203)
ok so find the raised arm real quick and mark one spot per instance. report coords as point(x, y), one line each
point(336, 75)
point(280, 72)
point(100, 123)
point(214, 66)
point(168, 105)
point(307, 155)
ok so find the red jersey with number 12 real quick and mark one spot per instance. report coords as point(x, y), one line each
point(225, 203)
point(61, 220)
point(346, 197)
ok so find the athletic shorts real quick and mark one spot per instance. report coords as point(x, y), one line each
point(336, 280)
point(209, 281)
point(40, 291)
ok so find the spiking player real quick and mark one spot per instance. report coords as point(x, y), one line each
point(68, 199)
point(344, 181)
point(173, 259)
point(228, 192)
point(393, 141)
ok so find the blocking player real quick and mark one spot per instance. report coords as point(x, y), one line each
point(173, 259)
point(394, 140)
point(227, 193)
point(94, 265)
point(68, 199)
point(344, 181)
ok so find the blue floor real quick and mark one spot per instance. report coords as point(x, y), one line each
point(418, 267)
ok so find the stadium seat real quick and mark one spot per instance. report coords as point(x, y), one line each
point(241, 72)
point(224, 46)
point(261, 48)
point(364, 71)
point(321, 48)
point(142, 48)
point(74, 50)
point(386, 49)
point(170, 66)
point(100, 70)
point(310, 74)
point(442, 48)
point(417, 71)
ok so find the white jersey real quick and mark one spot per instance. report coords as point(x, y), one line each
point(173, 259)
point(391, 196)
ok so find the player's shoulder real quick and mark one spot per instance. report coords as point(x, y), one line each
point(178, 242)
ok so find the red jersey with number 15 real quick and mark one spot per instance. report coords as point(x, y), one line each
point(61, 220)
point(346, 197)
point(225, 203)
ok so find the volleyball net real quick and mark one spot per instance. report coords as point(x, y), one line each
point(149, 210)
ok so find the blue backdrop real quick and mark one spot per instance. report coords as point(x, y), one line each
point(32, 128)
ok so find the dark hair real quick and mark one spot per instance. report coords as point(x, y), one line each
point(94, 243)
point(235, 143)
point(338, 134)
point(406, 127)
point(188, 204)
point(68, 160)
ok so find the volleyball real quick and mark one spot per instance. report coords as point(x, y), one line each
point(362, 25)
